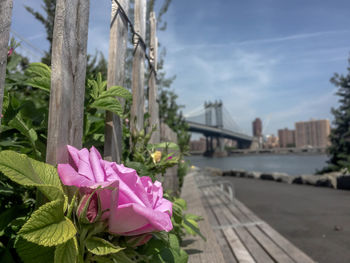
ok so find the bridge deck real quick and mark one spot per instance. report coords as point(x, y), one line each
point(241, 235)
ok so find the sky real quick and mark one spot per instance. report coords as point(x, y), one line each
point(271, 59)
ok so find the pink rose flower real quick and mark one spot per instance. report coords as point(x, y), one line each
point(86, 170)
point(140, 207)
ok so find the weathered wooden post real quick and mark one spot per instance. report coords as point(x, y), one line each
point(153, 108)
point(138, 67)
point(118, 37)
point(5, 24)
point(67, 78)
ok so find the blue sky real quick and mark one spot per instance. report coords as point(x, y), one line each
point(263, 58)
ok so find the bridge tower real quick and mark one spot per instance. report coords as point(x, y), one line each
point(218, 114)
point(208, 112)
point(209, 108)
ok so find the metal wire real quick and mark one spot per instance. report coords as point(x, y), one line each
point(140, 41)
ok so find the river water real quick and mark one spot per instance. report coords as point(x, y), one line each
point(292, 164)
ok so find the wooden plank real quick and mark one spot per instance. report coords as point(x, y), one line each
point(200, 251)
point(138, 68)
point(225, 248)
point(247, 212)
point(153, 107)
point(264, 235)
point(239, 250)
point(5, 24)
point(67, 78)
point(295, 253)
point(255, 249)
point(273, 249)
point(242, 218)
point(118, 37)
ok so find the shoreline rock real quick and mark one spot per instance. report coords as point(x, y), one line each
point(335, 180)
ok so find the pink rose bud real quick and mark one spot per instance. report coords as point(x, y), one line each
point(127, 121)
point(170, 157)
point(88, 208)
point(9, 53)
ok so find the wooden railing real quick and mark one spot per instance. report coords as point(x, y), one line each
point(69, 58)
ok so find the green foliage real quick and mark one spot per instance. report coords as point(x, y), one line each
point(39, 76)
point(184, 223)
point(150, 159)
point(24, 171)
point(101, 247)
point(25, 110)
point(48, 226)
point(97, 100)
point(32, 253)
point(339, 150)
point(67, 252)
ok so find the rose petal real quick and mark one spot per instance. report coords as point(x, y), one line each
point(132, 218)
point(96, 167)
point(73, 156)
point(84, 167)
point(70, 177)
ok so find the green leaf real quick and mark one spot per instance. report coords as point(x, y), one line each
point(18, 168)
point(99, 246)
point(192, 228)
point(28, 172)
point(39, 76)
point(122, 258)
point(174, 242)
point(169, 145)
point(193, 217)
point(48, 226)
point(181, 202)
point(116, 91)
point(109, 104)
point(18, 124)
point(67, 252)
point(47, 173)
point(32, 253)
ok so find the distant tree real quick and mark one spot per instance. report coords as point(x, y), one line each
point(95, 63)
point(339, 150)
point(47, 20)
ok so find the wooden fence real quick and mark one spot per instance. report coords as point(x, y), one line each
point(69, 58)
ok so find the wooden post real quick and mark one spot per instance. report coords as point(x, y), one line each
point(5, 24)
point(67, 78)
point(153, 91)
point(138, 67)
point(118, 37)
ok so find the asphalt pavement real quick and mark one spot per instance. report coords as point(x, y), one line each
point(315, 219)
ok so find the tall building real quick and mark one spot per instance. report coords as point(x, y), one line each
point(271, 141)
point(257, 128)
point(286, 138)
point(312, 133)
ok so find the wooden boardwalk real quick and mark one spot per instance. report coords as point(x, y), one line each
point(241, 235)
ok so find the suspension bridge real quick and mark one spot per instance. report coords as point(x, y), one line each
point(215, 123)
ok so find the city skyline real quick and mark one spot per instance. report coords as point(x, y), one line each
point(271, 59)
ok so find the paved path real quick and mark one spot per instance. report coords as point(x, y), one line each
point(315, 219)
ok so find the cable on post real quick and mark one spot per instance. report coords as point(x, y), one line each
point(140, 41)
